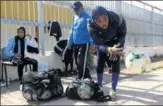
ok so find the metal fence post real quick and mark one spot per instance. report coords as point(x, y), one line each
point(152, 12)
point(118, 6)
point(41, 27)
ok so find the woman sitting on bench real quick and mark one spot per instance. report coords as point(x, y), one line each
point(15, 50)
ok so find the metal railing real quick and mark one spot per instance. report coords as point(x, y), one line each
point(144, 24)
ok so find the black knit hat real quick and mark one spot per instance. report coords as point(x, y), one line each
point(76, 6)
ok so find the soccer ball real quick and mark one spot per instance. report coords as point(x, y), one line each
point(137, 59)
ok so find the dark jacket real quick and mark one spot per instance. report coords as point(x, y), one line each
point(114, 34)
point(55, 29)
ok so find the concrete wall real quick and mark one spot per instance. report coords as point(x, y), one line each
point(54, 61)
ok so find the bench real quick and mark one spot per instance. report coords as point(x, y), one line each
point(4, 69)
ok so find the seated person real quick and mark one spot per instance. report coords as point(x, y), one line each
point(15, 50)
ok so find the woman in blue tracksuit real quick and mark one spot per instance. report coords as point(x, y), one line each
point(80, 38)
point(15, 51)
point(108, 31)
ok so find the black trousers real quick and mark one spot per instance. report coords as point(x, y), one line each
point(102, 58)
point(22, 62)
point(80, 53)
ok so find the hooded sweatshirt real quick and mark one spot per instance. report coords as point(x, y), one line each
point(114, 34)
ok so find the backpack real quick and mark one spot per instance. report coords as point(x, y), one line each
point(80, 90)
point(66, 56)
point(60, 46)
point(42, 85)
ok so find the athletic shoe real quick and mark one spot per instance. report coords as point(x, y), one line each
point(112, 94)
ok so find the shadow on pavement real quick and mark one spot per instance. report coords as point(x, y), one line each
point(139, 96)
point(145, 77)
point(12, 87)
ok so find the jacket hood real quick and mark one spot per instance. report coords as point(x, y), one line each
point(98, 11)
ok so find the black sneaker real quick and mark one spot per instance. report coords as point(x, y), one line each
point(89, 76)
point(20, 82)
point(78, 77)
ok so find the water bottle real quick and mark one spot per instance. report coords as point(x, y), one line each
point(45, 66)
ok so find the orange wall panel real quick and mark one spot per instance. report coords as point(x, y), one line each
point(50, 14)
point(61, 14)
point(26, 10)
point(44, 12)
point(69, 15)
point(14, 9)
point(21, 10)
point(31, 11)
point(64, 15)
point(36, 11)
point(9, 12)
point(3, 9)
point(55, 12)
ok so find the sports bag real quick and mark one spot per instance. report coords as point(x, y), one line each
point(86, 90)
point(80, 90)
point(42, 85)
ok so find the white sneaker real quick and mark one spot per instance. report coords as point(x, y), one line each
point(3, 83)
point(21, 87)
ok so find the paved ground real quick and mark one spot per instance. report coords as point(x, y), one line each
point(144, 89)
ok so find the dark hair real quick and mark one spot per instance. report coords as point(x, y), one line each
point(21, 28)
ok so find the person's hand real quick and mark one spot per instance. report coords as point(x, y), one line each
point(94, 48)
point(17, 55)
point(114, 52)
point(29, 36)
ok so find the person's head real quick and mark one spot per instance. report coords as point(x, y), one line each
point(21, 32)
point(77, 8)
point(100, 17)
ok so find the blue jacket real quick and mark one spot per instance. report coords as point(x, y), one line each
point(9, 51)
point(79, 33)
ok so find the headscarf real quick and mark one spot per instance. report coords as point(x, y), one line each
point(22, 42)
